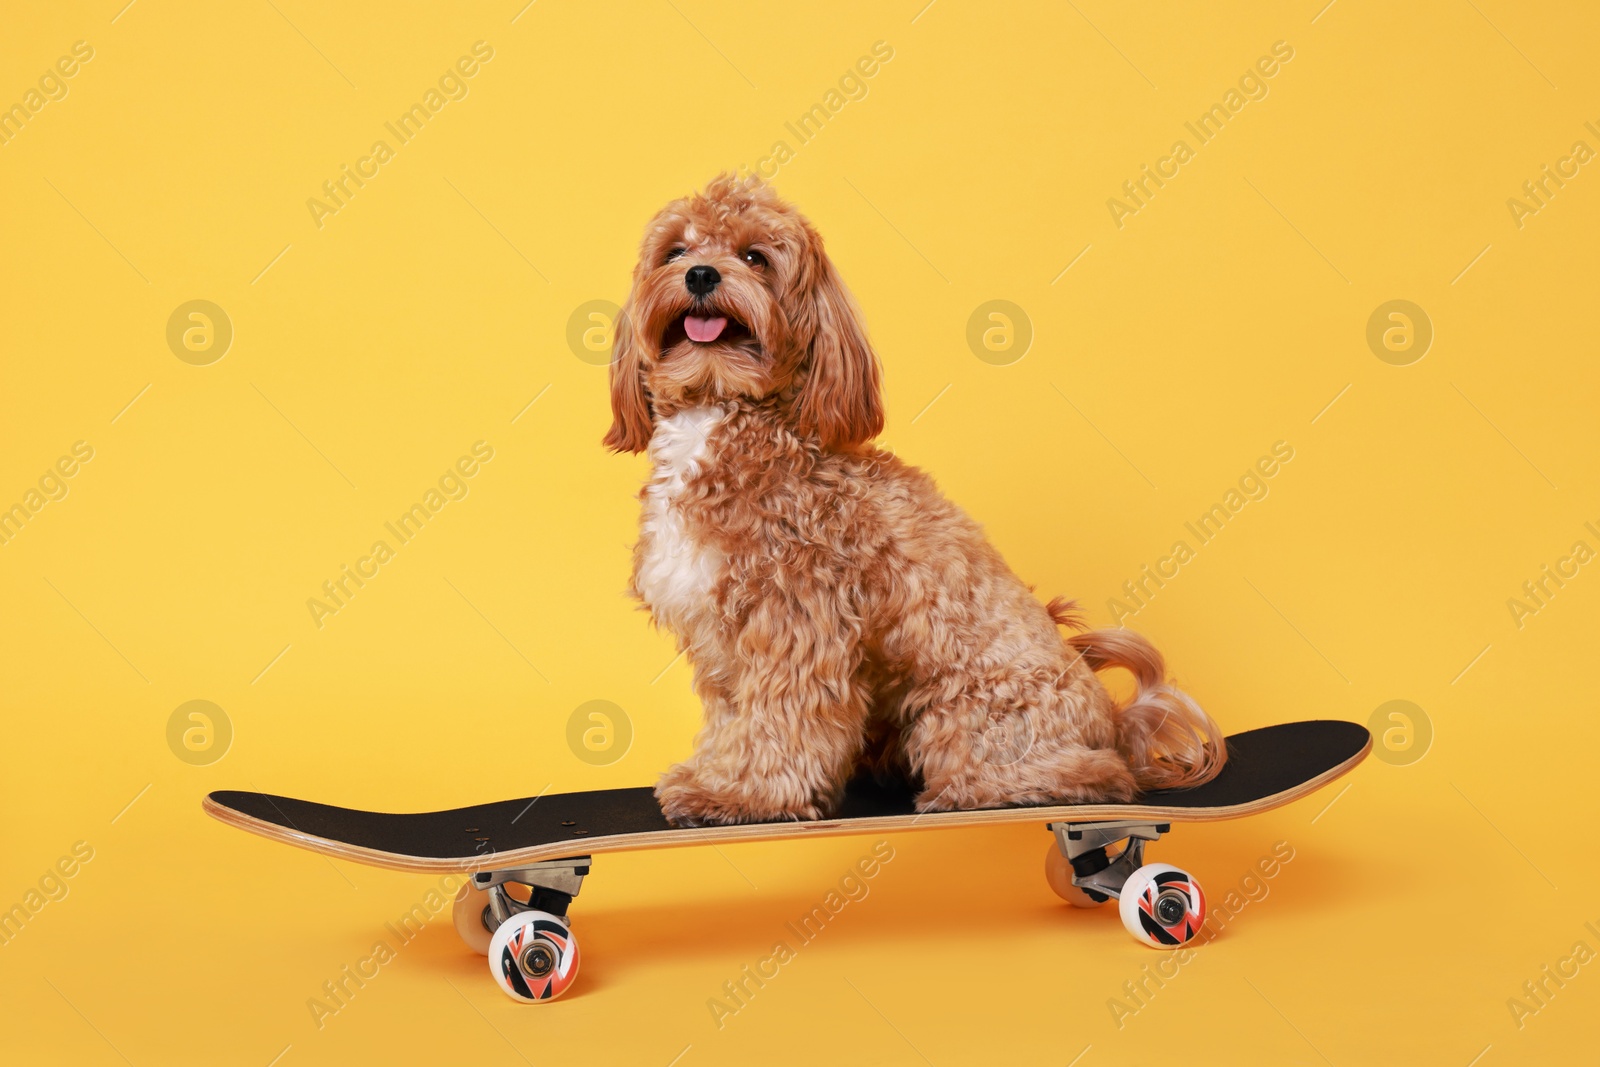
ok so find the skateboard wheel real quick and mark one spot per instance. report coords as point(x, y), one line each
point(468, 914)
point(1058, 873)
point(1162, 905)
point(533, 956)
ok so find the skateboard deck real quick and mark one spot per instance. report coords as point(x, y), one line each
point(1266, 768)
point(524, 861)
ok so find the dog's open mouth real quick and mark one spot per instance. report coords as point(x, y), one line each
point(704, 330)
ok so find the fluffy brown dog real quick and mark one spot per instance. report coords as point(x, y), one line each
point(837, 610)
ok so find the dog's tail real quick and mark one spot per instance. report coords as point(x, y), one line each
point(1167, 739)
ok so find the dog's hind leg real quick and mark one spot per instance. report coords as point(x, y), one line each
point(1012, 740)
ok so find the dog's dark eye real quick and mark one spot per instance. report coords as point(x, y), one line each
point(755, 259)
point(675, 254)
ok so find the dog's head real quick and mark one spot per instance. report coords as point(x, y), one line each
point(733, 297)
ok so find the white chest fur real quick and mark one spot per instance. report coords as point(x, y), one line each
point(676, 573)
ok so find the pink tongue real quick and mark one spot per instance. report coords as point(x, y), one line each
point(703, 330)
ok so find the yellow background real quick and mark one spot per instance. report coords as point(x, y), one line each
point(1228, 314)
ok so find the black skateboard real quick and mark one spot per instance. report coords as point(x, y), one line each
point(524, 860)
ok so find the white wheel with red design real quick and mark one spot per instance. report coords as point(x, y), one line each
point(1058, 873)
point(468, 913)
point(533, 956)
point(1162, 905)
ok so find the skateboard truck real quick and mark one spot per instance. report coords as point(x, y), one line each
point(1160, 904)
point(551, 885)
point(1098, 873)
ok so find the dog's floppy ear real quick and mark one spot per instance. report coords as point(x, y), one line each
point(630, 408)
point(841, 400)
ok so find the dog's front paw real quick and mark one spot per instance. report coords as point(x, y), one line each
point(685, 807)
point(682, 801)
point(687, 800)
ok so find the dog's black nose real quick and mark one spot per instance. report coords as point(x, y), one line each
point(701, 280)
